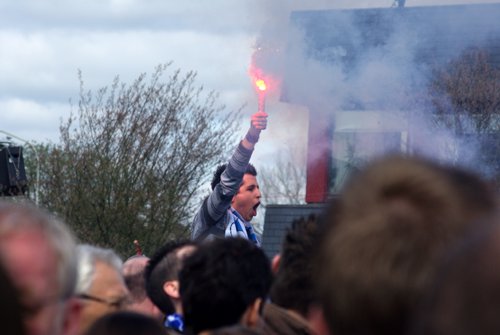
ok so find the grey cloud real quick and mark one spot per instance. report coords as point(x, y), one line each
point(219, 16)
point(43, 43)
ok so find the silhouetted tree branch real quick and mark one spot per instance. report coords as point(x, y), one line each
point(130, 162)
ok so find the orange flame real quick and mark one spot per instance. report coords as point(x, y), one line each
point(261, 84)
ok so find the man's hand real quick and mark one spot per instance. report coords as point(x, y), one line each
point(257, 124)
point(259, 121)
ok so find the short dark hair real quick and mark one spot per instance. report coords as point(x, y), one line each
point(222, 167)
point(220, 280)
point(293, 286)
point(126, 323)
point(164, 266)
point(235, 330)
point(133, 272)
point(136, 285)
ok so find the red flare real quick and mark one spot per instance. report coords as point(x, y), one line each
point(138, 249)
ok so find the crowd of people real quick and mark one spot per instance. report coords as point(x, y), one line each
point(408, 247)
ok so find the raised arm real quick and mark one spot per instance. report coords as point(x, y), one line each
point(219, 201)
point(258, 123)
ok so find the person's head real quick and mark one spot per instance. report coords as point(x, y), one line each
point(396, 219)
point(126, 323)
point(38, 252)
point(465, 296)
point(162, 275)
point(247, 199)
point(133, 273)
point(234, 330)
point(100, 285)
point(224, 282)
point(293, 286)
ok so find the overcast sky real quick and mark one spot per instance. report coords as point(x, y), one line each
point(43, 43)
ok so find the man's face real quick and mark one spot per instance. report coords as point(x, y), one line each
point(32, 264)
point(107, 294)
point(246, 201)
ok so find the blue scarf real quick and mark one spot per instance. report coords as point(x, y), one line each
point(175, 322)
point(241, 224)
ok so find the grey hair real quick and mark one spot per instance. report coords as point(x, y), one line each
point(17, 217)
point(88, 255)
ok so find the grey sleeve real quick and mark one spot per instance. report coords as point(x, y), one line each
point(218, 202)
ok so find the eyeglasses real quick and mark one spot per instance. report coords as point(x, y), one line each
point(118, 304)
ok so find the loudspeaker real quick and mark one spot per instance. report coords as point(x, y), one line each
point(12, 173)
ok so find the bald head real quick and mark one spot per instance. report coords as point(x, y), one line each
point(134, 265)
point(133, 272)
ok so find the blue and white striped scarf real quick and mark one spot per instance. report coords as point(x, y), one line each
point(243, 228)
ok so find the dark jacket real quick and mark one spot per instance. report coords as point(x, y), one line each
point(279, 321)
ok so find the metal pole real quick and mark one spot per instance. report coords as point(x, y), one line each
point(37, 183)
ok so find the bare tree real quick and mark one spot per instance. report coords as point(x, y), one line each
point(129, 164)
point(284, 181)
point(466, 94)
point(466, 98)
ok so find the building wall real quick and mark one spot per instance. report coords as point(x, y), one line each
point(405, 42)
point(278, 218)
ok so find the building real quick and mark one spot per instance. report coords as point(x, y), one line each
point(362, 74)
